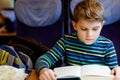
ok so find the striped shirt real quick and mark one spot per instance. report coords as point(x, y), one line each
point(77, 53)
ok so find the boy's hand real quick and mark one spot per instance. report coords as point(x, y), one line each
point(47, 74)
point(116, 73)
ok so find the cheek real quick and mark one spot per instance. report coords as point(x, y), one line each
point(81, 34)
point(98, 32)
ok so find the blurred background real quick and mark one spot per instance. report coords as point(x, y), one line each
point(48, 20)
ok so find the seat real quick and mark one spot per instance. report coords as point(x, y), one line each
point(40, 19)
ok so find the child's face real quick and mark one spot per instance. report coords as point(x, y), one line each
point(87, 31)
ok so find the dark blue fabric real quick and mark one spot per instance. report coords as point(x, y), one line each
point(8, 49)
point(12, 52)
point(23, 61)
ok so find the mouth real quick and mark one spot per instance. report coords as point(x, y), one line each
point(89, 39)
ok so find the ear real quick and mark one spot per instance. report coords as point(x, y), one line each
point(74, 25)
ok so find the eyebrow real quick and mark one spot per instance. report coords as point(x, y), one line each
point(85, 27)
point(97, 26)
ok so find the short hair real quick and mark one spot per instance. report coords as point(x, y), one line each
point(90, 10)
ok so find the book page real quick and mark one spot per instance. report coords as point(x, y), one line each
point(97, 70)
point(68, 71)
point(96, 78)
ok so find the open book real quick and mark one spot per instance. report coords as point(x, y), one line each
point(86, 72)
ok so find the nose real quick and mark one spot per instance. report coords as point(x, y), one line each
point(89, 33)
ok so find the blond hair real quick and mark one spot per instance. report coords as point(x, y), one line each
point(91, 10)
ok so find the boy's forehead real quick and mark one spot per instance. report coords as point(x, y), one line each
point(82, 19)
point(86, 23)
point(89, 20)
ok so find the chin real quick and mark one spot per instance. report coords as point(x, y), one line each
point(89, 43)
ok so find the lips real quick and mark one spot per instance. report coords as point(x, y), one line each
point(89, 39)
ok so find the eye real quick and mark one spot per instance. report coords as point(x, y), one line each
point(95, 29)
point(83, 29)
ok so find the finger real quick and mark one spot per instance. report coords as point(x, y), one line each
point(52, 75)
point(116, 78)
point(117, 71)
point(55, 74)
point(42, 77)
point(113, 72)
point(43, 74)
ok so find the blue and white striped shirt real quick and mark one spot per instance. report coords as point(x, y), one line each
point(77, 53)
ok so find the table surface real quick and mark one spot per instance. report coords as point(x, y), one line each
point(8, 34)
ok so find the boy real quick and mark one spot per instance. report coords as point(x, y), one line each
point(86, 46)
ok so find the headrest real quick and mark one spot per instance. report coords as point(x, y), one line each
point(111, 7)
point(38, 13)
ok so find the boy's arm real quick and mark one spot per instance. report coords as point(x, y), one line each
point(48, 59)
point(111, 56)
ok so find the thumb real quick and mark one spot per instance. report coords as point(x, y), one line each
point(55, 74)
point(113, 72)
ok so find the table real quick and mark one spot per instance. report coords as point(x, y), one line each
point(5, 37)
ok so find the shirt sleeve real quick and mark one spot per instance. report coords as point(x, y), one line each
point(111, 56)
point(48, 59)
